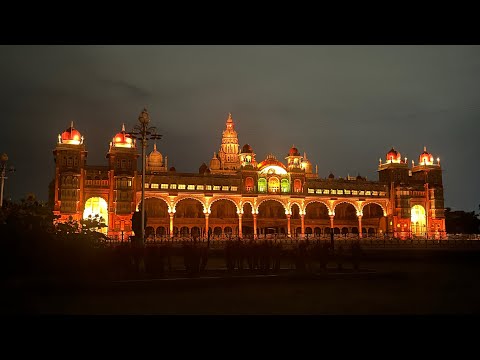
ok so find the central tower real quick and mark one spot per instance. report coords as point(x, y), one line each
point(228, 153)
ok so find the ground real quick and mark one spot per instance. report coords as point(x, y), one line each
point(426, 282)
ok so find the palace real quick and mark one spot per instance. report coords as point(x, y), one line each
point(236, 195)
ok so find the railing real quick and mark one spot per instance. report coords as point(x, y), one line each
point(452, 242)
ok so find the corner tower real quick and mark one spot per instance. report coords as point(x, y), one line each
point(70, 157)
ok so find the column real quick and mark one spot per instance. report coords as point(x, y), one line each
point(303, 226)
point(331, 222)
point(288, 225)
point(171, 224)
point(254, 226)
point(206, 224)
point(360, 225)
point(240, 235)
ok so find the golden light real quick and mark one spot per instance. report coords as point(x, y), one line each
point(274, 169)
point(96, 206)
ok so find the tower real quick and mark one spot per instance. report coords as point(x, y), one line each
point(395, 173)
point(429, 173)
point(228, 152)
point(70, 158)
point(122, 163)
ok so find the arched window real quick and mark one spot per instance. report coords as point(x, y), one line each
point(297, 185)
point(285, 185)
point(273, 184)
point(249, 184)
point(262, 185)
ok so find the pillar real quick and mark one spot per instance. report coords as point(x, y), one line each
point(360, 225)
point(303, 226)
point(254, 226)
point(171, 224)
point(240, 235)
point(331, 222)
point(288, 225)
point(206, 224)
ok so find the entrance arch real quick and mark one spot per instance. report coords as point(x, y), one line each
point(419, 220)
point(97, 206)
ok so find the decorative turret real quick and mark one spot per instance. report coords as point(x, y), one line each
point(426, 170)
point(155, 161)
point(70, 136)
point(215, 162)
point(395, 169)
point(294, 159)
point(306, 164)
point(122, 139)
point(247, 157)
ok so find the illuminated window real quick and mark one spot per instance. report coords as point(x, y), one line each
point(191, 187)
point(347, 192)
point(340, 192)
point(367, 192)
point(181, 186)
point(334, 191)
point(273, 184)
point(233, 188)
point(146, 186)
point(199, 187)
point(208, 187)
point(311, 191)
point(326, 192)
point(216, 187)
point(173, 186)
point(262, 185)
point(164, 186)
point(318, 191)
point(354, 192)
point(154, 186)
point(285, 185)
point(224, 188)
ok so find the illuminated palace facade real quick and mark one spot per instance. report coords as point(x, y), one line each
point(234, 195)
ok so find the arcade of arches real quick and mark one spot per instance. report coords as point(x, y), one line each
point(190, 220)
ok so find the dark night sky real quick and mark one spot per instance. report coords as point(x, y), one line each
point(344, 105)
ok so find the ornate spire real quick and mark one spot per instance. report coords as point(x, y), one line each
point(123, 127)
point(154, 146)
point(229, 117)
point(425, 149)
point(71, 124)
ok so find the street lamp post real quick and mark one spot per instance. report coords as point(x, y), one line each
point(3, 170)
point(143, 132)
